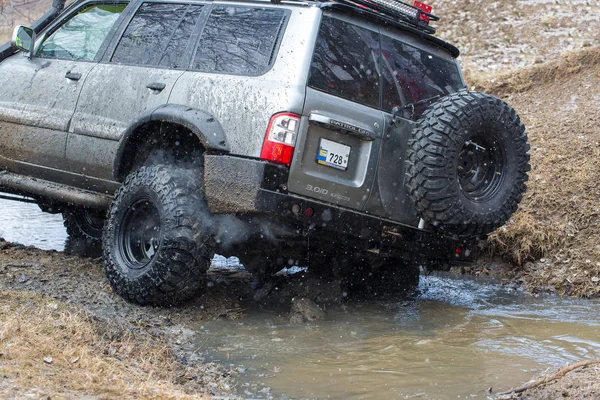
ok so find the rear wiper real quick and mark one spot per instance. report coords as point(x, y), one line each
point(397, 110)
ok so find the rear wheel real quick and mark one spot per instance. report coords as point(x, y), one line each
point(157, 240)
point(84, 223)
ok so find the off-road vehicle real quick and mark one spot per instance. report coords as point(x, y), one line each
point(339, 135)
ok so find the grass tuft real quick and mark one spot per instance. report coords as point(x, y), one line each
point(50, 349)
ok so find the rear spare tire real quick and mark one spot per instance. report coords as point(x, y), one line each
point(467, 164)
point(157, 241)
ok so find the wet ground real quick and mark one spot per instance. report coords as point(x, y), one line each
point(458, 338)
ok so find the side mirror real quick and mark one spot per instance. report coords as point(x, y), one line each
point(23, 39)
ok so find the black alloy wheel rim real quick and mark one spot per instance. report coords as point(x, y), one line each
point(139, 234)
point(481, 168)
point(93, 220)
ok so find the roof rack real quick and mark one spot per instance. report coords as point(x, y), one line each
point(418, 15)
point(426, 33)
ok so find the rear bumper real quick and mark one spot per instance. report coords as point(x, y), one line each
point(236, 185)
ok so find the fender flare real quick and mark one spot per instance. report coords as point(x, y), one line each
point(205, 127)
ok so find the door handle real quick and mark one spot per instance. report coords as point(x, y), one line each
point(345, 127)
point(158, 86)
point(74, 76)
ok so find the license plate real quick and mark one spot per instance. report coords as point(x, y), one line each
point(333, 154)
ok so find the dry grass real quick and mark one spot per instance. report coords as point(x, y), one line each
point(555, 235)
point(51, 349)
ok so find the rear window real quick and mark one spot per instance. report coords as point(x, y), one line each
point(366, 67)
point(345, 62)
point(239, 40)
point(158, 35)
point(411, 74)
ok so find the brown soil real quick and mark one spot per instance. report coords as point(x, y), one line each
point(49, 349)
point(581, 384)
point(58, 306)
point(553, 240)
point(571, 382)
point(496, 35)
point(61, 306)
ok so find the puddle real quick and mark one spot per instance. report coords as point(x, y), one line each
point(459, 338)
point(26, 224)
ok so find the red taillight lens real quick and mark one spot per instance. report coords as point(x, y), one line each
point(423, 7)
point(280, 138)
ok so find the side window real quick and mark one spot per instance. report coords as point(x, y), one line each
point(239, 40)
point(345, 62)
point(158, 35)
point(411, 74)
point(82, 35)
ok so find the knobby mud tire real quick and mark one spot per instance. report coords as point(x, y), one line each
point(84, 223)
point(436, 182)
point(177, 269)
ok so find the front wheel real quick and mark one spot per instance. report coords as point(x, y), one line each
point(84, 223)
point(157, 243)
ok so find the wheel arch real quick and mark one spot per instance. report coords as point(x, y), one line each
point(160, 127)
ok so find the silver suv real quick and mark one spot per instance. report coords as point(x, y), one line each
point(339, 135)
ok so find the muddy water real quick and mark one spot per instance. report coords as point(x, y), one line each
point(457, 339)
point(26, 224)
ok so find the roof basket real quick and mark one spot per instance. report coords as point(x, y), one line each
point(417, 15)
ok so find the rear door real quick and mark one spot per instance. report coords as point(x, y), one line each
point(415, 74)
point(136, 77)
point(341, 130)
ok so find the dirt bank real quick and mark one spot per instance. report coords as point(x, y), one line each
point(508, 34)
point(576, 381)
point(553, 242)
point(52, 349)
point(581, 384)
point(540, 57)
point(60, 309)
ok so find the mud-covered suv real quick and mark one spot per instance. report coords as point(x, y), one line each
point(339, 135)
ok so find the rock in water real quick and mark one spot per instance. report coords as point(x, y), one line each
point(305, 310)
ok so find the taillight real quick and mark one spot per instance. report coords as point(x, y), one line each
point(280, 138)
point(423, 7)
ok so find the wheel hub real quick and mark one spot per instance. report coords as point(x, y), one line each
point(481, 168)
point(139, 237)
